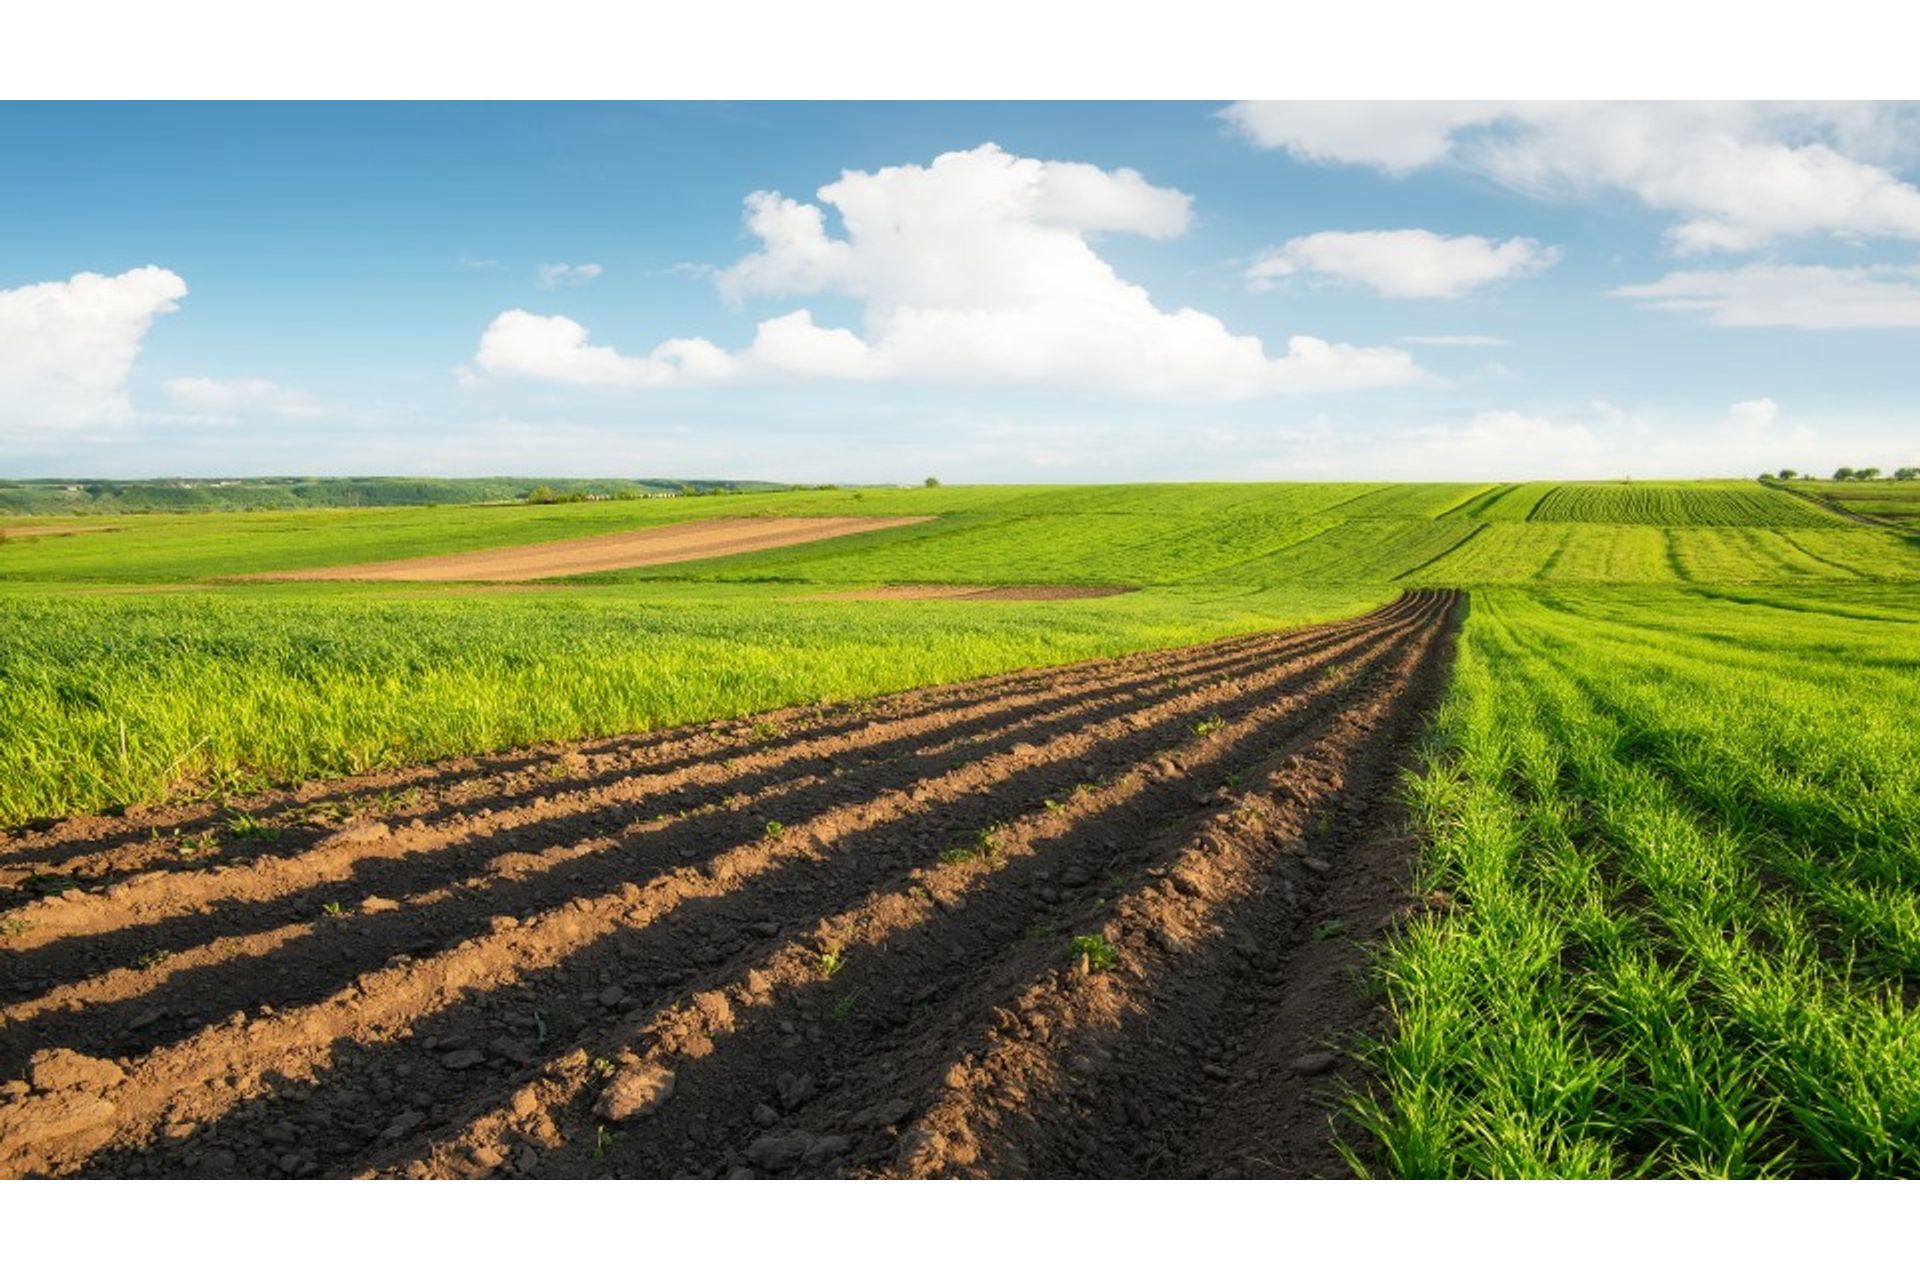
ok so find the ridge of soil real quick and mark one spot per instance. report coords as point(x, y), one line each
point(835, 941)
point(603, 552)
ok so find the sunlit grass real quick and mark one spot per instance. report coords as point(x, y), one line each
point(1683, 831)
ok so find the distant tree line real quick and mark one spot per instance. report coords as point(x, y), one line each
point(1845, 473)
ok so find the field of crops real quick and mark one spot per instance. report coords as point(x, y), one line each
point(1895, 500)
point(132, 666)
point(1676, 851)
point(1665, 920)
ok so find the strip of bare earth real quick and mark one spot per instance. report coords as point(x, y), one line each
point(603, 553)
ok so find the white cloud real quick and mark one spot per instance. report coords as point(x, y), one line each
point(1453, 340)
point(66, 347)
point(974, 269)
point(1410, 263)
point(1739, 175)
point(553, 274)
point(555, 348)
point(234, 398)
point(1767, 294)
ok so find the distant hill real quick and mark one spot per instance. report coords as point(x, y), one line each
point(255, 493)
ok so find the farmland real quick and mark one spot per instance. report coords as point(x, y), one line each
point(1894, 501)
point(1682, 834)
point(802, 833)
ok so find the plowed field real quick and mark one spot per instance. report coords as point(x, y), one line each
point(1088, 920)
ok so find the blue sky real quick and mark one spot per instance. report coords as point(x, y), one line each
point(1000, 292)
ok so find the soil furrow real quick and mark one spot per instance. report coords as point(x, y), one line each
point(160, 918)
point(912, 957)
point(311, 963)
point(471, 1019)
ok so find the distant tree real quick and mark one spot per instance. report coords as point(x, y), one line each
point(1788, 473)
point(1867, 473)
point(1906, 473)
point(1843, 473)
point(542, 494)
point(1765, 476)
point(931, 482)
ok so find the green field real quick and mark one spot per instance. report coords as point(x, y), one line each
point(1672, 800)
point(134, 667)
point(1895, 501)
point(1681, 831)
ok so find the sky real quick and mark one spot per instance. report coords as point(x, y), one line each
point(873, 293)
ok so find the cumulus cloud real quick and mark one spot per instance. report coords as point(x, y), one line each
point(555, 348)
point(233, 398)
point(551, 275)
point(978, 268)
point(1401, 264)
point(66, 347)
point(1739, 175)
point(1769, 294)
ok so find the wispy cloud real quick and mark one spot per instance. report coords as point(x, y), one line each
point(552, 275)
point(1768, 294)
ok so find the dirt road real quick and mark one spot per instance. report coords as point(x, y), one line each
point(1094, 920)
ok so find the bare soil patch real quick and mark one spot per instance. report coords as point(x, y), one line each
point(55, 530)
point(600, 553)
point(1069, 921)
point(937, 591)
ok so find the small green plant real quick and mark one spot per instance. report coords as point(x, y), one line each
point(843, 1007)
point(1095, 950)
point(985, 848)
point(333, 909)
point(604, 1068)
point(775, 828)
point(1211, 725)
point(603, 1141)
point(152, 959)
point(244, 826)
point(1329, 929)
point(831, 962)
point(13, 926)
point(200, 845)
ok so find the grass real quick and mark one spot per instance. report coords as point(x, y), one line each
point(1684, 828)
point(114, 700)
point(132, 672)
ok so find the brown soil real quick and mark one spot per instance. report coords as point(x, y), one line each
point(54, 530)
point(829, 942)
point(671, 544)
point(934, 591)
